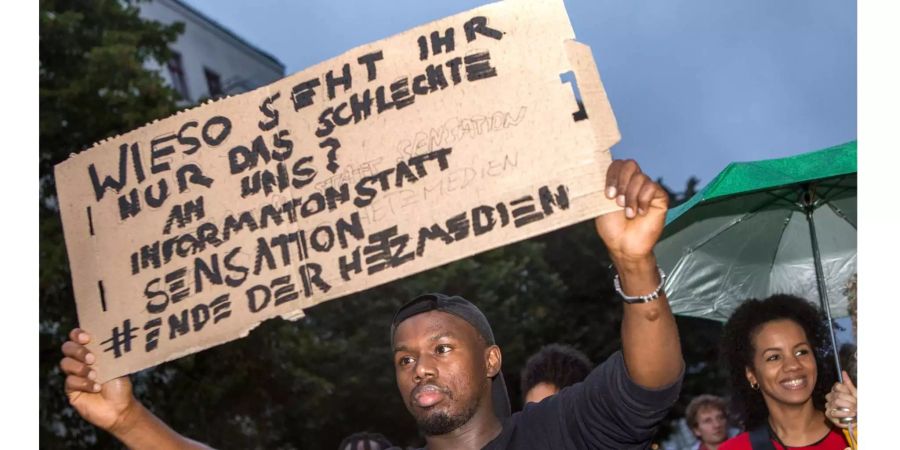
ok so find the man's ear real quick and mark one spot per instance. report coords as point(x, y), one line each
point(494, 360)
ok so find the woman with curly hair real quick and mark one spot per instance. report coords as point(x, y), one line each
point(777, 354)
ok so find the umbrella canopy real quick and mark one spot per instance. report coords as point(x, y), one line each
point(746, 234)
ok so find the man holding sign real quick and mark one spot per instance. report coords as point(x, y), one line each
point(446, 360)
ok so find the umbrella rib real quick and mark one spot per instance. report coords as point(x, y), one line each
point(778, 245)
point(734, 222)
point(781, 197)
point(834, 183)
point(840, 213)
point(721, 230)
point(831, 187)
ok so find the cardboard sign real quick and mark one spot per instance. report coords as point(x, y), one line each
point(447, 140)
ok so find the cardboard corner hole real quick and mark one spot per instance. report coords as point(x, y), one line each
point(396, 157)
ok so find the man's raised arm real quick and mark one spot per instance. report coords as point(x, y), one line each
point(112, 406)
point(650, 343)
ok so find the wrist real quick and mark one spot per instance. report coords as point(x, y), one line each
point(633, 263)
point(637, 276)
point(129, 420)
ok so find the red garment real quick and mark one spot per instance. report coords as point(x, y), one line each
point(834, 440)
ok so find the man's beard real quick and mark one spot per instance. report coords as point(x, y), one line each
point(442, 422)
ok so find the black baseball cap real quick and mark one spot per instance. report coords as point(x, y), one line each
point(467, 311)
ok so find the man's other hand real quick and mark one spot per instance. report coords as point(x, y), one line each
point(106, 406)
point(630, 234)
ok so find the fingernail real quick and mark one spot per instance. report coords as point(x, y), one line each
point(611, 192)
point(620, 200)
point(89, 358)
point(82, 338)
point(92, 375)
point(629, 213)
point(96, 387)
point(642, 211)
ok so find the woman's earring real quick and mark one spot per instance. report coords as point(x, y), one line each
point(754, 386)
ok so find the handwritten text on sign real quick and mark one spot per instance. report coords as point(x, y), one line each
point(450, 139)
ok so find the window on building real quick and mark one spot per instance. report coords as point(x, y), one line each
point(176, 71)
point(214, 82)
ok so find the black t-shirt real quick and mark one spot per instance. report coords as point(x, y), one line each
point(605, 411)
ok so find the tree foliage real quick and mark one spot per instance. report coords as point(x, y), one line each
point(93, 84)
point(309, 383)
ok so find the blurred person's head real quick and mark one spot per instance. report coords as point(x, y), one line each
point(776, 354)
point(365, 441)
point(552, 368)
point(447, 363)
point(707, 418)
point(850, 292)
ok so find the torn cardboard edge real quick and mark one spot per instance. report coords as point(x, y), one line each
point(593, 95)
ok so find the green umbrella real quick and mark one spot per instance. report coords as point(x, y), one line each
point(759, 228)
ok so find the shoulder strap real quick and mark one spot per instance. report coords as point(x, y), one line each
point(759, 438)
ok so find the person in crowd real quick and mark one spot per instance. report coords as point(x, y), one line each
point(447, 364)
point(840, 408)
point(365, 441)
point(779, 360)
point(847, 355)
point(707, 417)
point(848, 350)
point(552, 368)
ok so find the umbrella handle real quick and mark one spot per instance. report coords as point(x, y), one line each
point(850, 435)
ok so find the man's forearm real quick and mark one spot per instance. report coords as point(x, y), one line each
point(143, 430)
point(650, 340)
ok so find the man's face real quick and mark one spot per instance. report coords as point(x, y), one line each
point(712, 425)
point(443, 367)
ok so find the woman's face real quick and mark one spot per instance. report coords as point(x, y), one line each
point(784, 364)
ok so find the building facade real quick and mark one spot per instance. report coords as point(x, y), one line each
point(209, 60)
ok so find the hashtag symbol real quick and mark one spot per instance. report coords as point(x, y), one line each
point(121, 340)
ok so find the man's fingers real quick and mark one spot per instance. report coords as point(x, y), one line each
point(77, 352)
point(76, 363)
point(612, 178)
point(633, 191)
point(620, 175)
point(71, 366)
point(627, 170)
point(649, 191)
point(79, 384)
point(80, 336)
